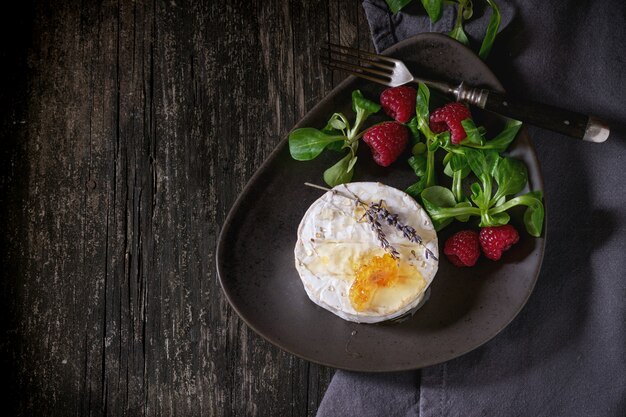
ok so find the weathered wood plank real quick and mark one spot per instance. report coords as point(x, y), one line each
point(348, 26)
point(312, 84)
point(16, 32)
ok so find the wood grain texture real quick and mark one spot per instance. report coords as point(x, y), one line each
point(128, 129)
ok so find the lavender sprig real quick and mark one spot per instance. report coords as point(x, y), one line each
point(376, 213)
point(372, 218)
point(391, 219)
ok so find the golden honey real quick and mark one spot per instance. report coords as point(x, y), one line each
point(377, 272)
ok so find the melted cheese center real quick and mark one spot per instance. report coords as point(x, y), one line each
point(381, 280)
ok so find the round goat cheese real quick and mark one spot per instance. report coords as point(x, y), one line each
point(336, 243)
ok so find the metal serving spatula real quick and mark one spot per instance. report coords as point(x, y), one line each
point(392, 73)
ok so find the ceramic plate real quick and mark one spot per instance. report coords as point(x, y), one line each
point(467, 307)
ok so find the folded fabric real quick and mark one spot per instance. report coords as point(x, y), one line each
point(388, 28)
point(565, 353)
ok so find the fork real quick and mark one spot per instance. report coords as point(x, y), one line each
point(393, 72)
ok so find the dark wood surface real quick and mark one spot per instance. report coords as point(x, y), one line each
point(128, 129)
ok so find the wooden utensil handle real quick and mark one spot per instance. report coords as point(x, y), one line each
point(559, 120)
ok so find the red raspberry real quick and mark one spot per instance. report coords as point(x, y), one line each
point(462, 248)
point(399, 102)
point(449, 117)
point(387, 140)
point(495, 240)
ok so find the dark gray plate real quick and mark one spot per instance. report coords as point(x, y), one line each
point(467, 307)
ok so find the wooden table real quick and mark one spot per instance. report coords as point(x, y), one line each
point(128, 129)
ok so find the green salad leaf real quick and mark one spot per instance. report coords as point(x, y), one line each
point(511, 176)
point(418, 163)
point(492, 30)
point(502, 141)
point(534, 214)
point(422, 113)
point(442, 207)
point(396, 5)
point(338, 135)
point(433, 8)
point(307, 143)
point(433, 141)
point(464, 11)
point(458, 33)
point(341, 172)
point(474, 135)
point(360, 103)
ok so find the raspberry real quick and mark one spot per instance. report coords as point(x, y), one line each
point(449, 117)
point(495, 240)
point(399, 102)
point(387, 140)
point(462, 248)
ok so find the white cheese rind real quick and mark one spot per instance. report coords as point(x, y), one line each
point(331, 240)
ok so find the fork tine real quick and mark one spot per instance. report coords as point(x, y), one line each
point(358, 52)
point(360, 72)
point(355, 67)
point(351, 55)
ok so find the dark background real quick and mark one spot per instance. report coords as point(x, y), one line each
point(128, 129)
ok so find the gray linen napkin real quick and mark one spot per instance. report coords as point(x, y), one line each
point(388, 28)
point(565, 354)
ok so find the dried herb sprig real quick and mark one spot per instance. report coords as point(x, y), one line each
point(375, 213)
point(392, 220)
point(373, 219)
